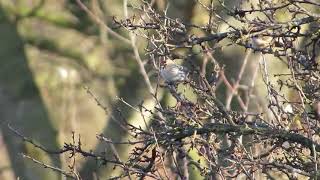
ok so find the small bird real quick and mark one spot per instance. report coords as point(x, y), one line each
point(260, 42)
point(173, 73)
point(296, 124)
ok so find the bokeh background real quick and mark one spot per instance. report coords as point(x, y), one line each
point(51, 51)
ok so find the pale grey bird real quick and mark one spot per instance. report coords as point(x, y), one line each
point(261, 42)
point(173, 73)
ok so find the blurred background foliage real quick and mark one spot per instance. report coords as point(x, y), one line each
point(51, 49)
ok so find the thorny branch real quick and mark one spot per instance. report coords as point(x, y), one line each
point(286, 143)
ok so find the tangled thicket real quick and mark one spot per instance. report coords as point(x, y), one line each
point(280, 138)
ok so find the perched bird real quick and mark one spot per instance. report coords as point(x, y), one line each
point(173, 73)
point(296, 124)
point(260, 42)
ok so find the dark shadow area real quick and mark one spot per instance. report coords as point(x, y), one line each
point(113, 129)
point(22, 107)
